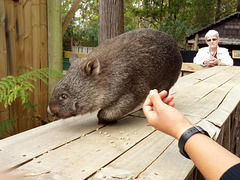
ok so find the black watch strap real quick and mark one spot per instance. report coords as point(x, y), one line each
point(186, 135)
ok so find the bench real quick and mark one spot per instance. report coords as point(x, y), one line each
point(79, 148)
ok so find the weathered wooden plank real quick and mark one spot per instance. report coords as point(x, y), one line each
point(12, 50)
point(130, 148)
point(187, 81)
point(91, 152)
point(209, 103)
point(43, 58)
point(171, 164)
point(3, 48)
point(25, 146)
point(136, 159)
point(11, 30)
point(219, 116)
point(22, 64)
point(4, 112)
point(201, 90)
point(19, 13)
point(36, 47)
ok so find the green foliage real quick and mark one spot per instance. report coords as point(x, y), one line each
point(12, 88)
point(175, 27)
point(19, 87)
point(178, 18)
point(7, 126)
point(203, 12)
point(131, 18)
point(83, 27)
point(86, 37)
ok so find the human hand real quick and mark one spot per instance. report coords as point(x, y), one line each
point(211, 62)
point(161, 114)
point(10, 177)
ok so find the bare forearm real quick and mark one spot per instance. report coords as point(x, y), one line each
point(209, 157)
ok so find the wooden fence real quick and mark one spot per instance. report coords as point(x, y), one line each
point(23, 47)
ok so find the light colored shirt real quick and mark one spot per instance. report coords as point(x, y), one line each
point(222, 54)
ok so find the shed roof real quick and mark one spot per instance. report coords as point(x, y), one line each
point(228, 28)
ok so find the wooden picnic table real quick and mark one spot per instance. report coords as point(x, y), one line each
point(79, 148)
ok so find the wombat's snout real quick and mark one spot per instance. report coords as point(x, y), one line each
point(57, 113)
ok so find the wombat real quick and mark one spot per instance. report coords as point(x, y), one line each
point(117, 75)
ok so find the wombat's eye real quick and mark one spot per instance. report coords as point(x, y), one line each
point(63, 97)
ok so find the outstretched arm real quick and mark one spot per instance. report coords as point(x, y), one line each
point(209, 157)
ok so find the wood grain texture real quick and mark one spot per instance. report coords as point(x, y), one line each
point(23, 47)
point(79, 148)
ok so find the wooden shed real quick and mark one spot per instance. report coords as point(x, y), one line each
point(229, 32)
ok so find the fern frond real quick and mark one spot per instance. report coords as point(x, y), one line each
point(40, 76)
point(7, 126)
point(30, 106)
point(20, 86)
point(28, 84)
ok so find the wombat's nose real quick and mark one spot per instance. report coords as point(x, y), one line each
point(49, 111)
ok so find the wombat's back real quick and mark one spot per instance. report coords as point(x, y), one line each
point(144, 58)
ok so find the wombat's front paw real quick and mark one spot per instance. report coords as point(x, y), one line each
point(104, 117)
point(106, 122)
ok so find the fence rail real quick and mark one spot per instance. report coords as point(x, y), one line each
point(81, 49)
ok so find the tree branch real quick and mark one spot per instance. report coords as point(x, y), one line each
point(70, 15)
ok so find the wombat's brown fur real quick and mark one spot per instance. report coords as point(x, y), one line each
point(117, 75)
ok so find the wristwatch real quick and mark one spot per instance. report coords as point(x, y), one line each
point(186, 135)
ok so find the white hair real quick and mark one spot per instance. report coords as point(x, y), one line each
point(211, 33)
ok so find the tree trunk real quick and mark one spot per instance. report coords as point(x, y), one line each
point(217, 16)
point(111, 19)
point(238, 6)
point(54, 40)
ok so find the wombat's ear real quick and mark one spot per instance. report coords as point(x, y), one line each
point(92, 67)
point(73, 58)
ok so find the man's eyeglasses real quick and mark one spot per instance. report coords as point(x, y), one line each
point(209, 40)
